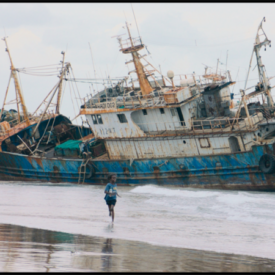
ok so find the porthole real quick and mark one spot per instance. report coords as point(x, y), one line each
point(184, 142)
point(259, 134)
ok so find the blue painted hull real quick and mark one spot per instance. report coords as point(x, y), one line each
point(238, 171)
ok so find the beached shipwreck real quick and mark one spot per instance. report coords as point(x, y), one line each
point(187, 134)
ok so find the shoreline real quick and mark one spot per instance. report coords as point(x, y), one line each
point(112, 254)
point(76, 232)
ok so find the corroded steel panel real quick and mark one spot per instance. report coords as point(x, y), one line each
point(211, 105)
point(4, 127)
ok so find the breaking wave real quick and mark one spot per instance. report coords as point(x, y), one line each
point(251, 207)
point(170, 192)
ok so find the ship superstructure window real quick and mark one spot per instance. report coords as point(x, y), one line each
point(97, 119)
point(161, 110)
point(94, 119)
point(144, 112)
point(122, 118)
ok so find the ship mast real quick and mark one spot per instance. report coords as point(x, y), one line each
point(133, 47)
point(264, 85)
point(57, 110)
point(261, 69)
point(17, 88)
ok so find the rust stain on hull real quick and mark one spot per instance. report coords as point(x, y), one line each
point(39, 162)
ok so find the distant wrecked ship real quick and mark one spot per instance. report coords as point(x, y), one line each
point(185, 135)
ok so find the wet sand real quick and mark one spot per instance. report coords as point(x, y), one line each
point(24, 249)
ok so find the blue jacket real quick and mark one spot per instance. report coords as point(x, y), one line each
point(111, 188)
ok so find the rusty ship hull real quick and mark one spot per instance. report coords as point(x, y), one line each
point(239, 171)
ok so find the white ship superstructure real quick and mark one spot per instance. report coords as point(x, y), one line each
point(193, 118)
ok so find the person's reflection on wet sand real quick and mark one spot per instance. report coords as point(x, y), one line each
point(107, 259)
point(50, 252)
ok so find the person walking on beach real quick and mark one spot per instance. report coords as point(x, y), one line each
point(111, 193)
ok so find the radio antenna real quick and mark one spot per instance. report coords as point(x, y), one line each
point(125, 16)
point(5, 31)
point(93, 64)
point(135, 19)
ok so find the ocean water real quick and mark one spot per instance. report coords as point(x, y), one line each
point(233, 222)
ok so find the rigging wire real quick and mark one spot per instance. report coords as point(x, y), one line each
point(39, 73)
point(36, 148)
point(113, 78)
point(44, 101)
point(84, 80)
point(75, 82)
point(114, 63)
point(45, 69)
point(52, 74)
point(51, 129)
point(72, 99)
point(74, 93)
point(214, 45)
point(63, 94)
point(41, 66)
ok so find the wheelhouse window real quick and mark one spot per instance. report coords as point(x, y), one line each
point(97, 119)
point(144, 112)
point(94, 119)
point(122, 118)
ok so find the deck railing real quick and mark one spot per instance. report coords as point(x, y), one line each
point(105, 101)
point(128, 102)
point(126, 43)
point(225, 124)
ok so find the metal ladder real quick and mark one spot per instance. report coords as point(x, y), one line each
point(83, 164)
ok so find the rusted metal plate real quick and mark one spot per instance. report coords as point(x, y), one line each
point(4, 127)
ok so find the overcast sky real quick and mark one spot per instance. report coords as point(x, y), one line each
point(180, 37)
